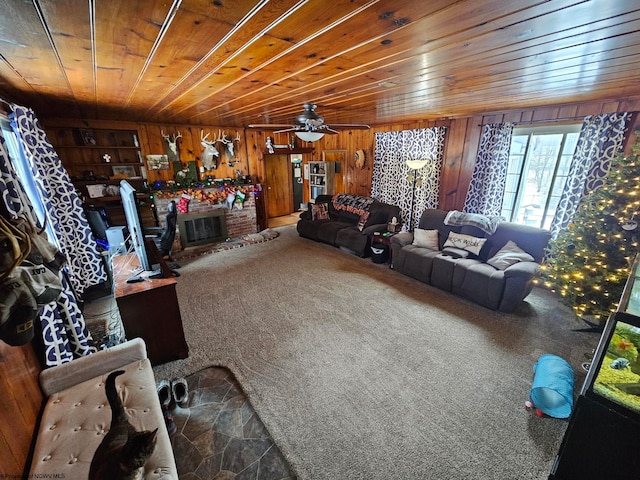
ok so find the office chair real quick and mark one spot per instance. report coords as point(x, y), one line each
point(98, 221)
point(164, 238)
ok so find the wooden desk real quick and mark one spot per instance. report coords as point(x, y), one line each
point(149, 310)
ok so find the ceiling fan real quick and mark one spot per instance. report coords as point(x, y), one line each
point(310, 126)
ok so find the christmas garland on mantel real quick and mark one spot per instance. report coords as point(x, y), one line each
point(211, 192)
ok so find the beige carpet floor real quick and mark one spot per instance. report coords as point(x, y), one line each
point(359, 372)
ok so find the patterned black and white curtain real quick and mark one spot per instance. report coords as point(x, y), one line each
point(61, 202)
point(486, 190)
point(600, 139)
point(393, 179)
point(64, 332)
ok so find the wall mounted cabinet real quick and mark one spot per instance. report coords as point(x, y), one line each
point(91, 154)
point(97, 159)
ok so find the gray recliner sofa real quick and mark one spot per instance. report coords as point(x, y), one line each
point(500, 288)
point(341, 228)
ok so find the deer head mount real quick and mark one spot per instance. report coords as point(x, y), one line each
point(172, 146)
point(210, 154)
point(229, 147)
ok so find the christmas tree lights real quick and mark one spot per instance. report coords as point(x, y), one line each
point(589, 261)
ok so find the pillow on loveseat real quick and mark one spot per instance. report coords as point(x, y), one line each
point(465, 242)
point(509, 255)
point(425, 238)
point(363, 220)
point(320, 211)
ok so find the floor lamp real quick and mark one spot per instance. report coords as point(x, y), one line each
point(414, 165)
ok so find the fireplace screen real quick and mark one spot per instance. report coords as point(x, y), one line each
point(202, 228)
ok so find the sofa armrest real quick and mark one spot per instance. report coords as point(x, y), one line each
point(61, 377)
point(402, 239)
point(524, 270)
point(306, 214)
point(379, 227)
point(518, 283)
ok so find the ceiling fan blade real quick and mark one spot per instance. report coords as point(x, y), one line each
point(309, 121)
point(270, 126)
point(290, 129)
point(350, 126)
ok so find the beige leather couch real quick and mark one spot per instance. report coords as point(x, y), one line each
point(77, 415)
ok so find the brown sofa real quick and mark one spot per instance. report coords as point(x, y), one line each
point(341, 228)
point(501, 289)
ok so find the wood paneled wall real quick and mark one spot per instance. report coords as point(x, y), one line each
point(461, 147)
point(152, 142)
point(19, 407)
point(462, 142)
point(191, 149)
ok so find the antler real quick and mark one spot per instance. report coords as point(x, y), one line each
point(221, 137)
point(237, 139)
point(168, 137)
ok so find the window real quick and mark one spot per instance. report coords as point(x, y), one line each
point(539, 161)
point(22, 168)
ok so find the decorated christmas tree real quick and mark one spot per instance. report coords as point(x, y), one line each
point(590, 260)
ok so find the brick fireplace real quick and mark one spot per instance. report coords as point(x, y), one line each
point(238, 222)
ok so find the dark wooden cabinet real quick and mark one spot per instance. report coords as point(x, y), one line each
point(99, 154)
point(149, 310)
point(97, 159)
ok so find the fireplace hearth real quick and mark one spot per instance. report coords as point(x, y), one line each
point(202, 228)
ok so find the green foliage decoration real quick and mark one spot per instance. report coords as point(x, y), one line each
point(589, 262)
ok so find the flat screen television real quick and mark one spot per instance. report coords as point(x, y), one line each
point(134, 225)
point(614, 373)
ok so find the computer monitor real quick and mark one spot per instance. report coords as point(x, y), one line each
point(134, 225)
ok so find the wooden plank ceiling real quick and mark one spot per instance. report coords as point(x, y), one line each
point(239, 62)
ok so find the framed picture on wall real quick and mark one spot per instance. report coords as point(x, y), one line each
point(158, 162)
point(88, 136)
point(124, 171)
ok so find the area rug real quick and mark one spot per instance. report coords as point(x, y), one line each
point(359, 372)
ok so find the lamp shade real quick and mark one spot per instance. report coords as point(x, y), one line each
point(416, 164)
point(309, 136)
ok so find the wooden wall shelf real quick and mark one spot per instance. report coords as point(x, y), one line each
point(287, 151)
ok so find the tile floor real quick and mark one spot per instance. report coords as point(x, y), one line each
point(219, 435)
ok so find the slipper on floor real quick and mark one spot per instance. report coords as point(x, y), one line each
point(164, 393)
point(180, 391)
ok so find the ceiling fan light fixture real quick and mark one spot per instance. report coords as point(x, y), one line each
point(309, 136)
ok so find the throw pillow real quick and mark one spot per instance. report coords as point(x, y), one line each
point(426, 238)
point(320, 211)
point(465, 242)
point(509, 255)
point(363, 220)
